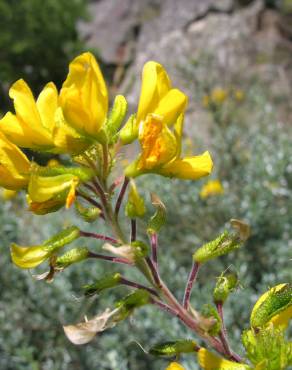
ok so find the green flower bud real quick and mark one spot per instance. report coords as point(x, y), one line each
point(106, 282)
point(174, 348)
point(138, 298)
point(116, 117)
point(159, 218)
point(141, 249)
point(274, 306)
point(135, 206)
point(214, 321)
point(130, 131)
point(223, 244)
point(226, 283)
point(90, 214)
point(74, 255)
point(62, 238)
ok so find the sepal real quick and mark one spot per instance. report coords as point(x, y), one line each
point(158, 220)
point(130, 131)
point(174, 348)
point(226, 283)
point(106, 282)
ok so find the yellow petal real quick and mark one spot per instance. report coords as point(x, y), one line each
point(174, 366)
point(155, 85)
point(42, 189)
point(28, 257)
point(66, 139)
point(14, 165)
point(158, 143)
point(209, 361)
point(47, 104)
point(189, 168)
point(84, 96)
point(72, 193)
point(172, 106)
point(25, 129)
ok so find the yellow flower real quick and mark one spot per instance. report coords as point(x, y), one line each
point(14, 166)
point(28, 257)
point(212, 187)
point(39, 124)
point(161, 149)
point(174, 366)
point(209, 361)
point(239, 95)
point(49, 193)
point(206, 101)
point(156, 97)
point(84, 96)
point(218, 95)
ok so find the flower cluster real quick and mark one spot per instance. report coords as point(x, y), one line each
point(77, 125)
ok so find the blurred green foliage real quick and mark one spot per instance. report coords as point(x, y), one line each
point(37, 40)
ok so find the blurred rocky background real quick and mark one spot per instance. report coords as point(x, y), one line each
point(233, 58)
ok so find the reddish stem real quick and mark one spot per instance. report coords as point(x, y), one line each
point(109, 258)
point(133, 230)
point(191, 280)
point(121, 196)
point(137, 286)
point(98, 236)
point(154, 248)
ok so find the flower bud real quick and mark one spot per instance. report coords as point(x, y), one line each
point(224, 243)
point(135, 206)
point(274, 306)
point(138, 298)
point(74, 255)
point(159, 218)
point(226, 283)
point(130, 131)
point(116, 118)
point(174, 348)
point(106, 282)
point(89, 214)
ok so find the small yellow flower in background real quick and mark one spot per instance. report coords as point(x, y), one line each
point(218, 95)
point(156, 97)
point(84, 96)
point(174, 366)
point(14, 166)
point(212, 187)
point(206, 101)
point(209, 361)
point(239, 95)
point(8, 194)
point(161, 149)
point(53, 162)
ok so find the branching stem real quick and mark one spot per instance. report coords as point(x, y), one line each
point(98, 236)
point(191, 280)
point(121, 196)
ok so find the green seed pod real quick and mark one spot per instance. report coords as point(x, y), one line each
point(159, 218)
point(210, 312)
point(89, 215)
point(274, 306)
point(138, 298)
point(135, 206)
point(106, 282)
point(62, 238)
point(226, 283)
point(74, 255)
point(174, 348)
point(223, 244)
point(130, 131)
point(116, 117)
